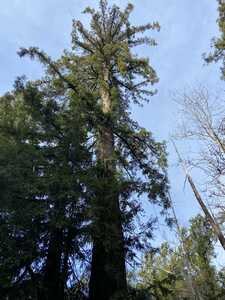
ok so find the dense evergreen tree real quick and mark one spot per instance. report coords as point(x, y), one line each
point(43, 169)
point(107, 76)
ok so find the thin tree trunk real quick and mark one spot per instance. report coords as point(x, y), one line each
point(194, 294)
point(108, 275)
point(213, 223)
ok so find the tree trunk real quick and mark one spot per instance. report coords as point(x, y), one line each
point(108, 275)
point(208, 215)
point(52, 282)
point(194, 295)
point(198, 197)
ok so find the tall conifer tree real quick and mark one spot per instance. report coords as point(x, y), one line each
point(119, 77)
point(108, 77)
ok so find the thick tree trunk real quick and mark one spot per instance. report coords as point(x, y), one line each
point(52, 281)
point(108, 275)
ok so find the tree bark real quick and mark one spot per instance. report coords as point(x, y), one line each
point(108, 275)
point(52, 283)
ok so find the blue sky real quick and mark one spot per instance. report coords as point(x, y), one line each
point(186, 31)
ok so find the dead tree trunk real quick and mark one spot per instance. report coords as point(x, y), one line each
point(187, 274)
point(208, 215)
point(213, 223)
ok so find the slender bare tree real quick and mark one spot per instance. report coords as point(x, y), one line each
point(202, 125)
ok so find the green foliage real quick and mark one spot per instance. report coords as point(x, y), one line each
point(109, 42)
point(219, 43)
point(167, 275)
point(43, 170)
